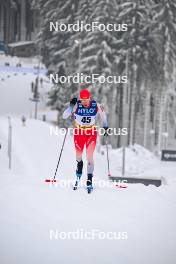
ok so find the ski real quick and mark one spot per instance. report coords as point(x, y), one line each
point(89, 189)
point(75, 187)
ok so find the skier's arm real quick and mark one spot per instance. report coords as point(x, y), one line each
point(102, 116)
point(71, 109)
point(67, 112)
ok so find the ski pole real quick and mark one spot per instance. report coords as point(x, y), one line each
point(60, 153)
point(107, 152)
point(54, 178)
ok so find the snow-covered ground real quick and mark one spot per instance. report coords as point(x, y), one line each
point(15, 88)
point(139, 162)
point(32, 209)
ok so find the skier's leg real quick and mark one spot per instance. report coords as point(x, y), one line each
point(90, 147)
point(89, 180)
point(79, 141)
point(79, 168)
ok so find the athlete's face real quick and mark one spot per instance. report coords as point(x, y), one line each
point(85, 102)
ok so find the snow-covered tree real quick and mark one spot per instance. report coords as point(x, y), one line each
point(145, 52)
point(164, 12)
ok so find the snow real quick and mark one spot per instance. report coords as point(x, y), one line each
point(15, 88)
point(31, 208)
point(20, 43)
point(33, 61)
point(140, 162)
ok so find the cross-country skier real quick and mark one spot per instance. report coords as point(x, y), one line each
point(84, 111)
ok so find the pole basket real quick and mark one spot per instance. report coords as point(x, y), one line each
point(50, 180)
point(121, 186)
point(118, 184)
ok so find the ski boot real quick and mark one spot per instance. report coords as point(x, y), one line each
point(78, 174)
point(89, 183)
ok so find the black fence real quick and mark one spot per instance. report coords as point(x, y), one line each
point(168, 155)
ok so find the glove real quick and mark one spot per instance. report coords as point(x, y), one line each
point(106, 131)
point(73, 101)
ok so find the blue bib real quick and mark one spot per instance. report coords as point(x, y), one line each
point(84, 111)
point(85, 116)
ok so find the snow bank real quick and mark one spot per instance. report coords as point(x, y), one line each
point(139, 162)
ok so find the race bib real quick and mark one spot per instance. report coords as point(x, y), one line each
point(86, 116)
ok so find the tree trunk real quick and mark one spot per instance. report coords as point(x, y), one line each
point(146, 117)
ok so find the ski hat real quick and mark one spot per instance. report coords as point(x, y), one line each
point(84, 94)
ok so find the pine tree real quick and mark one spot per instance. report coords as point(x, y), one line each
point(145, 52)
point(55, 45)
point(164, 22)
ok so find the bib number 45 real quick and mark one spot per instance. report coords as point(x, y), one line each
point(86, 119)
